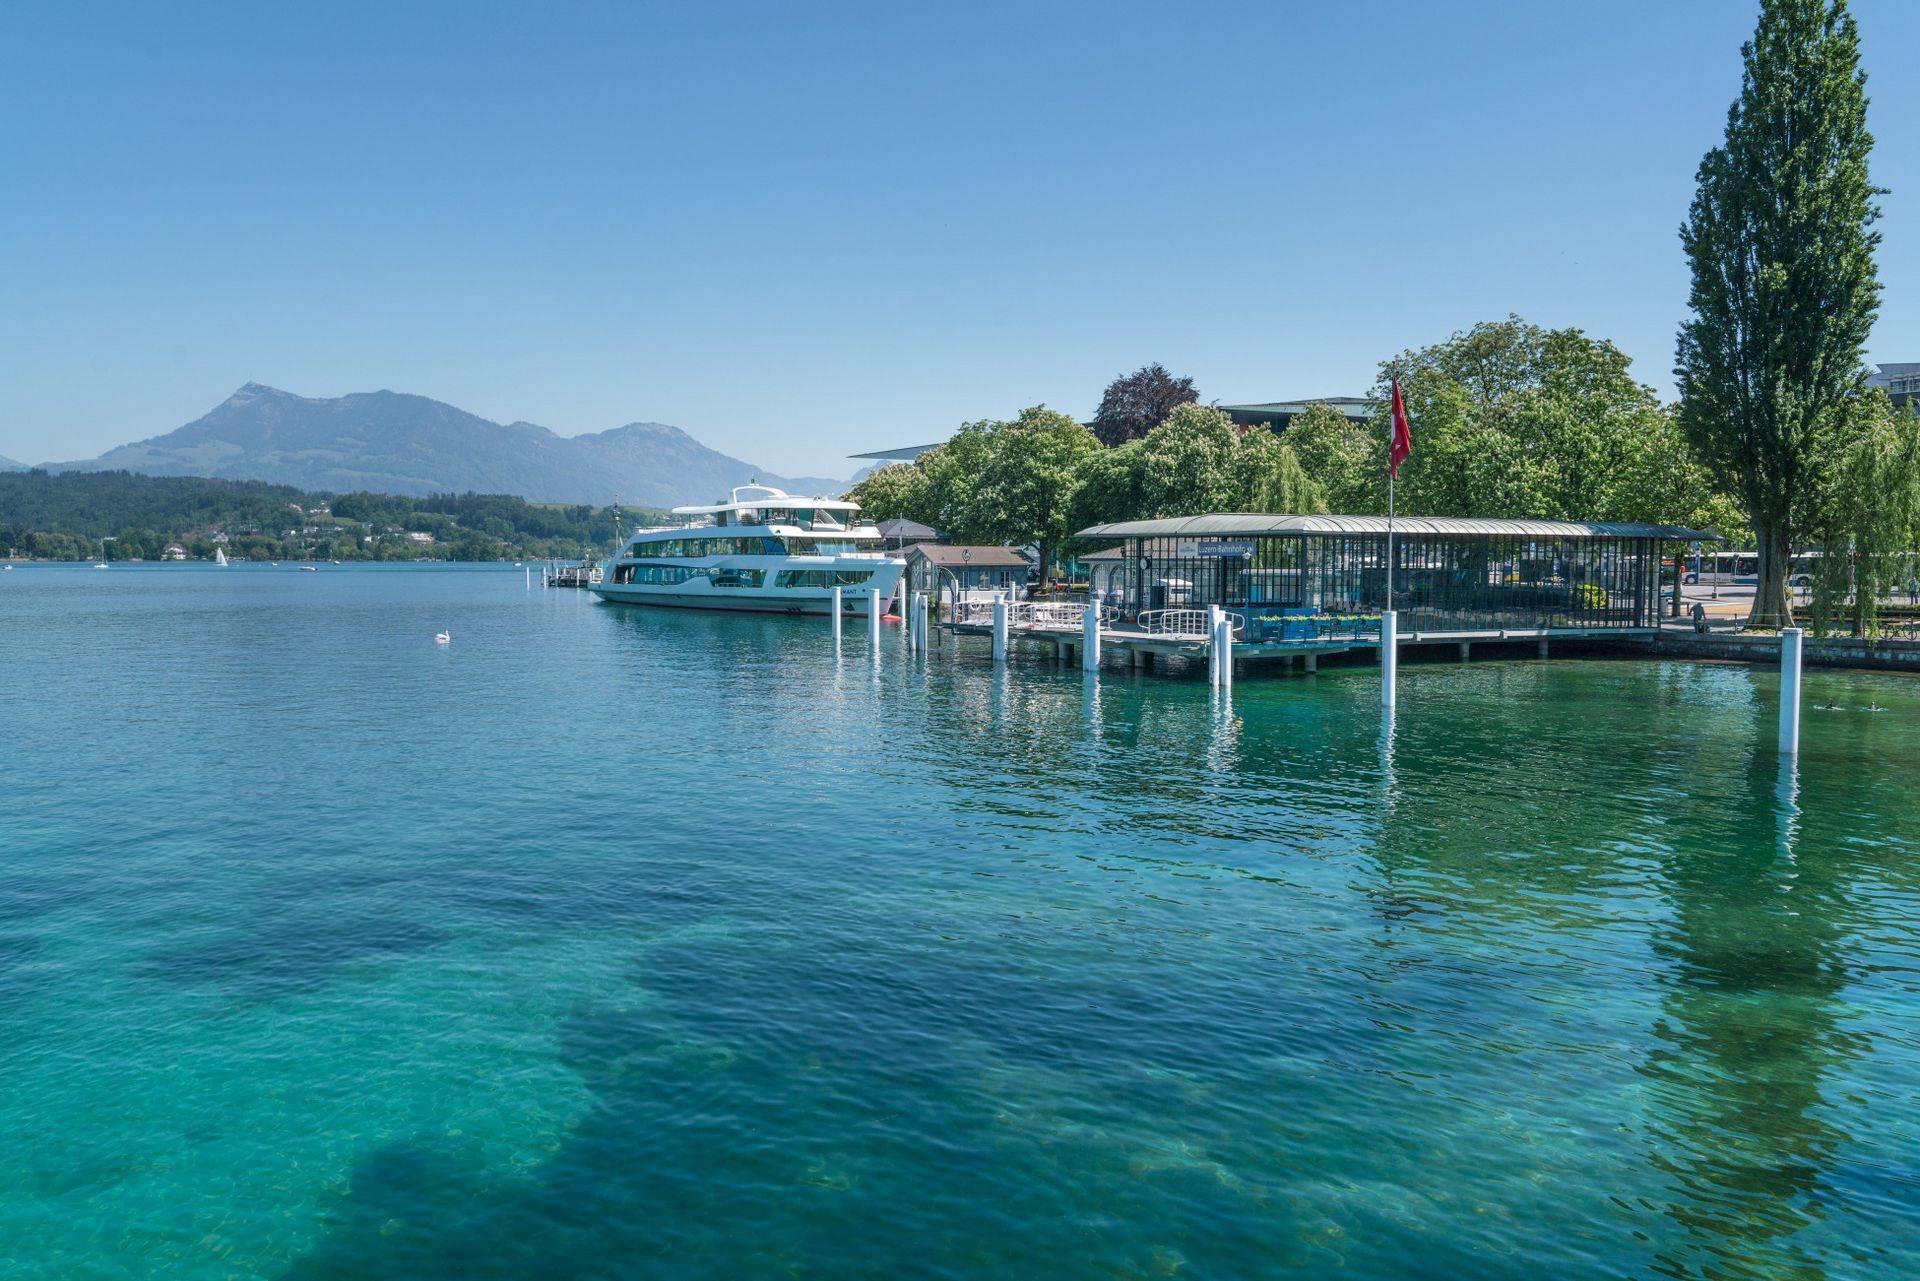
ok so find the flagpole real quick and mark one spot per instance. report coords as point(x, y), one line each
point(1389, 539)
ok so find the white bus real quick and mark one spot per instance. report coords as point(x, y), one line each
point(1725, 568)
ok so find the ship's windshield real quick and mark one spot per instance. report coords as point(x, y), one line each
point(711, 545)
point(806, 518)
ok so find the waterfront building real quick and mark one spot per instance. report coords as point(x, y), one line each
point(1298, 577)
point(1900, 381)
point(939, 570)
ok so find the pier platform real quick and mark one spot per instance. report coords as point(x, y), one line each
point(1184, 634)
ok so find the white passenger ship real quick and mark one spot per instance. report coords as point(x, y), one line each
point(763, 550)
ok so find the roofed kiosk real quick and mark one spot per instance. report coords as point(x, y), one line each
point(1288, 575)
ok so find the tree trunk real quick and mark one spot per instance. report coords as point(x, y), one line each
point(1771, 606)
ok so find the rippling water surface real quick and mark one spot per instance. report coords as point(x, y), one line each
point(608, 943)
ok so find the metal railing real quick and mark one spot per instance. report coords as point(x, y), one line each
point(1186, 624)
point(1034, 615)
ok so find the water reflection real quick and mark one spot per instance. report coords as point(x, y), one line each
point(1750, 1036)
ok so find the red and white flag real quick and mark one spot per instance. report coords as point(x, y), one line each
point(1402, 443)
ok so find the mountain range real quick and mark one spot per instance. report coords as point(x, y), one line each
point(7, 464)
point(390, 442)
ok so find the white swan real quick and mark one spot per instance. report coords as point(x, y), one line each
point(445, 638)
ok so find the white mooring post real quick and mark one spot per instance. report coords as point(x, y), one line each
point(920, 619)
point(1389, 655)
point(1790, 647)
point(908, 604)
point(1223, 642)
point(999, 627)
point(836, 618)
point(1090, 638)
point(873, 617)
point(1213, 644)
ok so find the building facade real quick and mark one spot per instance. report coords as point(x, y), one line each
point(1900, 381)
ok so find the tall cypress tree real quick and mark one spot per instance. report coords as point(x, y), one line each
point(1784, 286)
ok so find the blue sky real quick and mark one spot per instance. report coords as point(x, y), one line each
point(799, 231)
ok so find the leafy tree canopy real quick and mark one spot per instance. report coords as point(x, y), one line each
point(992, 482)
point(1866, 525)
point(1513, 420)
point(1347, 459)
point(1134, 404)
point(1196, 461)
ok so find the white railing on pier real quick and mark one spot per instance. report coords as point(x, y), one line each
point(1186, 624)
point(1045, 616)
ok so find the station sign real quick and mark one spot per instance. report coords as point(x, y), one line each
point(1223, 548)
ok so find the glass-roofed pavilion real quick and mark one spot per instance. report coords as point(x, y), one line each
point(1294, 579)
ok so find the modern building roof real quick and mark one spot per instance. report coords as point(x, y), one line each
point(904, 454)
point(1354, 408)
point(1229, 524)
point(1901, 381)
point(992, 557)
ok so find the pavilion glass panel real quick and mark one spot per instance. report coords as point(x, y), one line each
point(1470, 583)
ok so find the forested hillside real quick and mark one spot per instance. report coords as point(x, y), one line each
point(67, 517)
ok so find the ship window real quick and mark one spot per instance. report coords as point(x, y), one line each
point(758, 545)
point(658, 574)
point(822, 577)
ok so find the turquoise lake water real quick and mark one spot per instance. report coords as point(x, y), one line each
point(609, 943)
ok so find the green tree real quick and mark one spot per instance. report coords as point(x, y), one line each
point(1513, 420)
point(954, 474)
point(1784, 288)
point(1348, 460)
point(1025, 488)
point(1189, 462)
point(1268, 477)
point(1110, 486)
point(1200, 461)
point(1196, 461)
point(897, 492)
point(1867, 523)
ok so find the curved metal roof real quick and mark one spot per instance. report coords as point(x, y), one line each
point(1254, 523)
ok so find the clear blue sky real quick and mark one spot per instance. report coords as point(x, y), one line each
point(804, 230)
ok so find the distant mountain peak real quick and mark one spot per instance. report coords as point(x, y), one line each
point(402, 443)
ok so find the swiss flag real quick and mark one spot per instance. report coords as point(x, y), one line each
point(1402, 443)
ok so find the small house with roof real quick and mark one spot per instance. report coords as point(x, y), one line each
point(940, 570)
